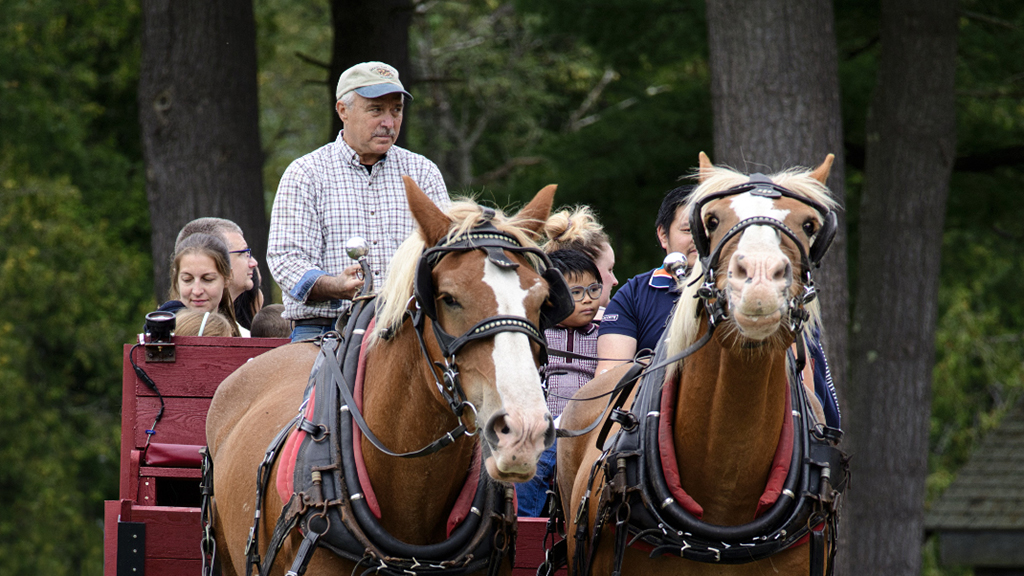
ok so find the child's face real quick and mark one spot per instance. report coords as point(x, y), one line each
point(585, 308)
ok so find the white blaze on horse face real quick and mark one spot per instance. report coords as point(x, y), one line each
point(759, 273)
point(526, 422)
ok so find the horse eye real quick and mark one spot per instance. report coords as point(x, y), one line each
point(712, 224)
point(450, 301)
point(810, 227)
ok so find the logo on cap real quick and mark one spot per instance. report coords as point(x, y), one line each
point(385, 72)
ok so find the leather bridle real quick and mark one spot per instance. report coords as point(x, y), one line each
point(714, 298)
point(494, 242)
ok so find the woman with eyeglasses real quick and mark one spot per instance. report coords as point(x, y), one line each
point(244, 282)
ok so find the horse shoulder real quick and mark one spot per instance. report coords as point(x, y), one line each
point(275, 373)
point(576, 454)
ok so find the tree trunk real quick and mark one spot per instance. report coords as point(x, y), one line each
point(368, 31)
point(200, 122)
point(775, 99)
point(909, 157)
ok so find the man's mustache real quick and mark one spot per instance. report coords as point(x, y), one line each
point(389, 132)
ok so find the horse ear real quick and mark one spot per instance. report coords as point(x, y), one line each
point(706, 167)
point(535, 214)
point(434, 223)
point(821, 172)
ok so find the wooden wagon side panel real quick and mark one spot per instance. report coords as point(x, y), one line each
point(530, 547)
point(171, 533)
point(187, 386)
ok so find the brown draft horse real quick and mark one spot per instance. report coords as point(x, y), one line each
point(401, 403)
point(731, 398)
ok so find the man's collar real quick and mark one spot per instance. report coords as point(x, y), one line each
point(661, 279)
point(349, 153)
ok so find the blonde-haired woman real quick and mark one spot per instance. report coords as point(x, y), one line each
point(578, 229)
point(202, 323)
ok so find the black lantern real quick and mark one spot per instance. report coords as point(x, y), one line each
point(159, 326)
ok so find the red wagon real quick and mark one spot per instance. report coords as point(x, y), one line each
point(153, 528)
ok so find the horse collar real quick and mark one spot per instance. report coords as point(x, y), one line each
point(636, 496)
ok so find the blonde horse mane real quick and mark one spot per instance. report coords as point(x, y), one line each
point(683, 330)
point(466, 214)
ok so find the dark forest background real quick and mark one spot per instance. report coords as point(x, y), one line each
point(120, 121)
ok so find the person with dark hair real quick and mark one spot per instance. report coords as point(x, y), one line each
point(250, 302)
point(564, 376)
point(635, 318)
point(578, 229)
point(269, 323)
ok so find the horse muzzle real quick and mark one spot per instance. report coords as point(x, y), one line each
point(515, 444)
point(758, 288)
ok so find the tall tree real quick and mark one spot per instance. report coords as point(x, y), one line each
point(365, 31)
point(200, 122)
point(775, 98)
point(909, 158)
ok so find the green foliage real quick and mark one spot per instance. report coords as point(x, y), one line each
point(614, 132)
point(979, 370)
point(493, 88)
point(626, 33)
point(74, 271)
point(68, 106)
point(295, 105)
point(71, 299)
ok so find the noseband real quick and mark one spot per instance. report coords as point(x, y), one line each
point(759, 185)
point(494, 242)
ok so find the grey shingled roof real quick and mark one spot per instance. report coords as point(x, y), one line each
point(988, 492)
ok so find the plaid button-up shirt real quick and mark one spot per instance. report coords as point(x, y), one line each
point(567, 375)
point(325, 198)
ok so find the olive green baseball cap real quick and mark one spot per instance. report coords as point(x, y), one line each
point(370, 80)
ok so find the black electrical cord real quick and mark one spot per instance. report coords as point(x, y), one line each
point(152, 386)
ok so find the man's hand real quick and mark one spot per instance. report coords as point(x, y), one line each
point(344, 286)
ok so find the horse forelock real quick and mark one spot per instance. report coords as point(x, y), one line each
point(685, 325)
point(466, 214)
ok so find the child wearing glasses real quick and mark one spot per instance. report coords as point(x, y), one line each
point(564, 376)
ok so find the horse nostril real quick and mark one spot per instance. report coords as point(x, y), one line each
point(783, 272)
point(549, 434)
point(496, 425)
point(739, 268)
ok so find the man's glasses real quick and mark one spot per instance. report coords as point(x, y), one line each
point(593, 291)
point(247, 252)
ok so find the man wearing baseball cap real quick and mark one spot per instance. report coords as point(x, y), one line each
point(350, 187)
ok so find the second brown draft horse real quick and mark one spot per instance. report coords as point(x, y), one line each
point(709, 471)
